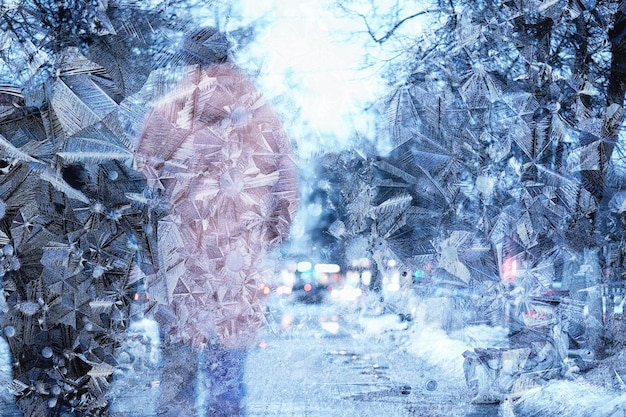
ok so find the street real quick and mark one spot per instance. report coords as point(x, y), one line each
point(313, 369)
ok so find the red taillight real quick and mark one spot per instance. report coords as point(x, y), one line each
point(137, 296)
point(509, 270)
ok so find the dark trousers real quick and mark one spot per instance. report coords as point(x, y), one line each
point(202, 382)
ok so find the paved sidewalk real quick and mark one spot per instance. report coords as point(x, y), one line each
point(305, 374)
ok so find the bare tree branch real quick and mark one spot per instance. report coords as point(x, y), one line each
point(390, 32)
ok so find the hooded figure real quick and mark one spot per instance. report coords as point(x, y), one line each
point(220, 156)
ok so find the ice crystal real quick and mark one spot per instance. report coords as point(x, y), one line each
point(55, 269)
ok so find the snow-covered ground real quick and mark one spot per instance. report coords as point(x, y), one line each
point(429, 342)
point(599, 392)
point(573, 398)
point(382, 339)
point(595, 393)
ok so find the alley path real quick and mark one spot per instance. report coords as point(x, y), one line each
point(312, 373)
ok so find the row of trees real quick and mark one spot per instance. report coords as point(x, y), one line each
point(505, 122)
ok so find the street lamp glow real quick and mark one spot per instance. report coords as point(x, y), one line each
point(304, 266)
point(327, 268)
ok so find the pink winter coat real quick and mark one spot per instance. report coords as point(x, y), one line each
point(225, 163)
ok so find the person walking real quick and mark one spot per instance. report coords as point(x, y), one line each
point(221, 157)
